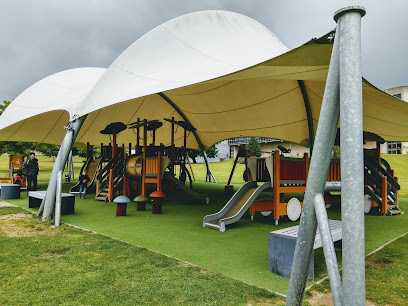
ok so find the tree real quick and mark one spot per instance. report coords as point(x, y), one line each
point(47, 149)
point(4, 106)
point(81, 152)
point(17, 148)
point(211, 152)
point(253, 146)
point(193, 154)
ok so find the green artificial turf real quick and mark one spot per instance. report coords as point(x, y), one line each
point(40, 265)
point(241, 251)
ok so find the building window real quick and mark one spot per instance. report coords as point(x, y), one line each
point(394, 147)
point(244, 140)
point(222, 149)
point(232, 152)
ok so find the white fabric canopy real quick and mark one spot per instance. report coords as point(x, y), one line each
point(40, 113)
point(225, 73)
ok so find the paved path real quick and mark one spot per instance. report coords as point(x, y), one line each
point(5, 204)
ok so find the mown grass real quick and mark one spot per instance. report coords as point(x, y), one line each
point(76, 267)
point(386, 275)
point(400, 164)
point(221, 171)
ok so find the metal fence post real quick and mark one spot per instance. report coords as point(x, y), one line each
point(352, 158)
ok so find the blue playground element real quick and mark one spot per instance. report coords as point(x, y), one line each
point(121, 199)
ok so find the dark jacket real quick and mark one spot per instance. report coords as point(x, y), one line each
point(82, 178)
point(30, 167)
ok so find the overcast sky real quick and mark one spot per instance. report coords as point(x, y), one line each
point(40, 38)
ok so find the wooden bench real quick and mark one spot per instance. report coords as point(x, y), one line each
point(281, 248)
point(67, 201)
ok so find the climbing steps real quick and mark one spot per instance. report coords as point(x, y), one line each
point(381, 187)
point(110, 178)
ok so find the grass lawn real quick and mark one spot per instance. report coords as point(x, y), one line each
point(388, 269)
point(40, 265)
point(400, 164)
point(385, 269)
point(221, 171)
point(240, 252)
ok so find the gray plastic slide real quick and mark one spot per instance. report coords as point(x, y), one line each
point(236, 206)
point(202, 197)
point(91, 167)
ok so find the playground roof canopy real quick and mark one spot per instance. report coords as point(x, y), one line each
point(40, 113)
point(225, 73)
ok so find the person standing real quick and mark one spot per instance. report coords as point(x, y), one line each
point(83, 183)
point(31, 169)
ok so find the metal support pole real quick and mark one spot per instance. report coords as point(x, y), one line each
point(47, 205)
point(71, 165)
point(352, 158)
point(328, 249)
point(210, 175)
point(332, 186)
point(58, 200)
point(319, 165)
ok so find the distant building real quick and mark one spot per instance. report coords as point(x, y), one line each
point(396, 147)
point(223, 150)
point(268, 145)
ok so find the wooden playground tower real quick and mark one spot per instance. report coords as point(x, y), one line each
point(131, 172)
point(15, 165)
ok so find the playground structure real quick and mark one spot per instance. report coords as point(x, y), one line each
point(14, 173)
point(282, 175)
point(242, 153)
point(202, 90)
point(381, 187)
point(278, 175)
point(132, 172)
point(91, 165)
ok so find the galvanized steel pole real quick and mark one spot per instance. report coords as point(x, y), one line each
point(319, 165)
point(58, 200)
point(47, 205)
point(328, 249)
point(352, 158)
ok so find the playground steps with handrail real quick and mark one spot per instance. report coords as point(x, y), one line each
point(103, 194)
point(115, 168)
point(379, 181)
